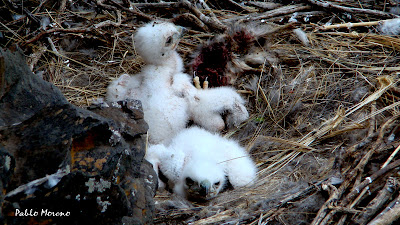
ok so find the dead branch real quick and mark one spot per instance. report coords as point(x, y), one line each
point(264, 5)
point(324, 215)
point(188, 19)
point(157, 5)
point(237, 6)
point(365, 142)
point(389, 215)
point(269, 14)
point(53, 47)
point(343, 209)
point(292, 198)
point(360, 166)
point(25, 10)
point(390, 188)
point(77, 29)
point(101, 4)
point(301, 16)
point(329, 5)
point(39, 8)
point(134, 10)
point(55, 30)
point(63, 4)
point(280, 29)
point(126, 2)
point(369, 180)
point(394, 153)
point(206, 7)
point(109, 22)
point(350, 25)
point(301, 194)
point(372, 121)
point(212, 22)
point(334, 195)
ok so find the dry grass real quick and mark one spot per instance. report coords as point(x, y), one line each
point(319, 113)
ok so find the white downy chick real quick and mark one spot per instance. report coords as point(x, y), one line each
point(165, 112)
point(198, 164)
point(167, 94)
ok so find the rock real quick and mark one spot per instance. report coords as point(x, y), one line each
point(22, 94)
point(127, 114)
point(87, 166)
point(7, 164)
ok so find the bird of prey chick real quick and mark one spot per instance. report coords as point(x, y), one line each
point(198, 164)
point(167, 94)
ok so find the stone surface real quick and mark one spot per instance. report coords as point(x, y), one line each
point(7, 164)
point(22, 94)
point(58, 158)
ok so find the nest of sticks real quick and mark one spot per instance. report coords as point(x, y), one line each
point(324, 126)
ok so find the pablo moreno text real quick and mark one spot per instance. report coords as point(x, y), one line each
point(43, 212)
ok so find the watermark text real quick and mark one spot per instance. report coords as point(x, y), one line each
point(42, 212)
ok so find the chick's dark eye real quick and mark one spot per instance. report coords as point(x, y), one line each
point(189, 181)
point(168, 41)
point(217, 183)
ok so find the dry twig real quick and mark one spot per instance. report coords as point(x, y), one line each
point(390, 188)
point(211, 22)
point(389, 215)
point(269, 14)
point(330, 5)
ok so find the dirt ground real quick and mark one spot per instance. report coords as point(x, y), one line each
point(323, 101)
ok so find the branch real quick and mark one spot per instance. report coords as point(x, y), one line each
point(324, 215)
point(269, 14)
point(264, 5)
point(350, 25)
point(188, 19)
point(388, 215)
point(212, 22)
point(157, 5)
point(329, 5)
point(237, 6)
point(70, 30)
point(369, 180)
point(25, 10)
point(390, 188)
point(109, 22)
point(133, 9)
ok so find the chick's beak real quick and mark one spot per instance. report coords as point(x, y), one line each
point(202, 191)
point(182, 31)
point(205, 187)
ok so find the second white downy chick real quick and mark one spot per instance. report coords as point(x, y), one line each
point(198, 164)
